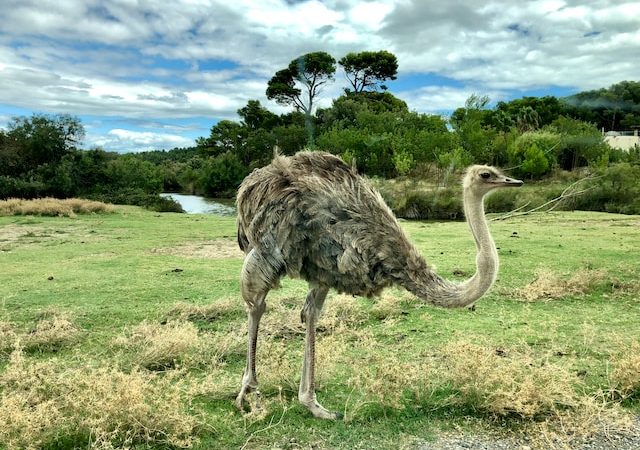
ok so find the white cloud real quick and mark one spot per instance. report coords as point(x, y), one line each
point(153, 60)
point(125, 141)
point(439, 99)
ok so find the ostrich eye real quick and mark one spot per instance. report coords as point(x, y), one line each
point(485, 175)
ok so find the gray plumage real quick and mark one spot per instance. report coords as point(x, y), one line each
point(311, 216)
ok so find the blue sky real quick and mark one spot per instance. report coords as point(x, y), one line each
point(157, 75)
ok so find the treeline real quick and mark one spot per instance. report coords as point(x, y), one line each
point(533, 136)
point(39, 157)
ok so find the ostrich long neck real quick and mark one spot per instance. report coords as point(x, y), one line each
point(430, 287)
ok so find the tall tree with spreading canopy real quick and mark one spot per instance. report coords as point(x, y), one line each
point(368, 70)
point(310, 71)
point(301, 82)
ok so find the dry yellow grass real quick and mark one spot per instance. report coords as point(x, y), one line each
point(8, 337)
point(549, 285)
point(389, 305)
point(104, 407)
point(51, 333)
point(625, 377)
point(159, 347)
point(505, 383)
point(222, 308)
point(385, 379)
point(52, 207)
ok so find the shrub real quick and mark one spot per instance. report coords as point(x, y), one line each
point(139, 197)
point(52, 207)
point(625, 378)
point(159, 347)
point(45, 403)
point(504, 384)
point(433, 205)
point(50, 334)
point(616, 190)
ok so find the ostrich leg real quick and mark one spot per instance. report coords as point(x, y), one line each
point(255, 284)
point(309, 315)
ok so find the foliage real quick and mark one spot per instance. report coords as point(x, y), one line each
point(475, 135)
point(222, 173)
point(533, 153)
point(368, 70)
point(614, 108)
point(526, 113)
point(40, 140)
point(311, 71)
point(534, 136)
point(383, 137)
point(616, 189)
point(581, 143)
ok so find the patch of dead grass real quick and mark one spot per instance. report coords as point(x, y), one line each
point(8, 338)
point(160, 347)
point(214, 249)
point(342, 312)
point(220, 309)
point(44, 402)
point(52, 207)
point(389, 305)
point(52, 332)
point(625, 377)
point(549, 285)
point(386, 379)
point(508, 383)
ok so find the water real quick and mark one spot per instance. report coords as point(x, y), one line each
point(195, 204)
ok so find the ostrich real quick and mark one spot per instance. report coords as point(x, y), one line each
point(311, 216)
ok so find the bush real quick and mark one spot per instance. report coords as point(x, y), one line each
point(222, 175)
point(15, 187)
point(51, 207)
point(48, 404)
point(433, 205)
point(139, 197)
point(616, 190)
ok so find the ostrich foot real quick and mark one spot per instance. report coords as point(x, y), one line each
point(253, 401)
point(319, 411)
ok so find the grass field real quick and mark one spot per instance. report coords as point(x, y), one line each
point(126, 329)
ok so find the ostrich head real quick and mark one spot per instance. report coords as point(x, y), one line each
point(480, 180)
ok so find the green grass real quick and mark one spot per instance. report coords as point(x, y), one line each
point(118, 278)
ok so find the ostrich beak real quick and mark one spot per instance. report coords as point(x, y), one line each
point(509, 182)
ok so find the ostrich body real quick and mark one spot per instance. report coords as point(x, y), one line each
point(311, 216)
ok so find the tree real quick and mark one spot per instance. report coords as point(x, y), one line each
point(226, 136)
point(368, 70)
point(471, 124)
point(527, 113)
point(33, 141)
point(311, 71)
point(612, 108)
point(255, 116)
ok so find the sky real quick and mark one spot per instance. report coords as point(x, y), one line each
point(145, 74)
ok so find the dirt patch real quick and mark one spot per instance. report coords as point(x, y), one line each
point(13, 233)
point(215, 249)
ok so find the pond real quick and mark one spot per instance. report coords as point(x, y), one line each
point(195, 204)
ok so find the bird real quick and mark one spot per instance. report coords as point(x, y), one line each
point(312, 216)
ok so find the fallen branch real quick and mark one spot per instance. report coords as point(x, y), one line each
point(568, 192)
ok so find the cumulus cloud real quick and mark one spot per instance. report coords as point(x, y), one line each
point(207, 58)
point(124, 141)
